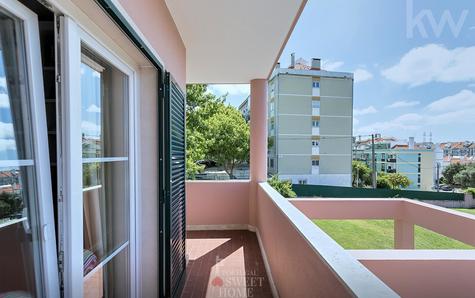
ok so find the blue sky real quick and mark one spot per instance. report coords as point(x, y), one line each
point(414, 63)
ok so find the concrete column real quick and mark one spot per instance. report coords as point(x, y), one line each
point(403, 234)
point(258, 143)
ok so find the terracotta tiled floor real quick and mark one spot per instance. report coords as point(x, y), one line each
point(225, 264)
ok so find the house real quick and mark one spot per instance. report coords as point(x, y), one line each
point(93, 98)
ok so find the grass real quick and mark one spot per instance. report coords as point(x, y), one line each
point(378, 234)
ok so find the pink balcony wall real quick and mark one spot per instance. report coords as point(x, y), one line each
point(218, 203)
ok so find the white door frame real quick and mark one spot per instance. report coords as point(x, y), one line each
point(40, 145)
point(72, 36)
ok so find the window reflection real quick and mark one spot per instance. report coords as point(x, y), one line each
point(20, 254)
point(106, 192)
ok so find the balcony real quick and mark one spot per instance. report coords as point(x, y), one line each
point(315, 131)
point(231, 223)
point(315, 150)
point(315, 111)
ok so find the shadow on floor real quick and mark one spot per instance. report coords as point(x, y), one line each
point(225, 264)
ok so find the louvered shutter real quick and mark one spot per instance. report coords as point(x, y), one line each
point(173, 230)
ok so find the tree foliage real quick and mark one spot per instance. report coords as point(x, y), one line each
point(392, 181)
point(466, 177)
point(214, 131)
point(11, 205)
point(450, 171)
point(361, 174)
point(284, 187)
point(227, 134)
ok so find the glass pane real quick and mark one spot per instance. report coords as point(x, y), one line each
point(14, 129)
point(104, 108)
point(111, 280)
point(106, 210)
point(20, 253)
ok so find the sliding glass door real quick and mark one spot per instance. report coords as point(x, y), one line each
point(98, 181)
point(27, 240)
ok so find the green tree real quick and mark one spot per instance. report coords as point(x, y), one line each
point(392, 181)
point(466, 177)
point(214, 131)
point(361, 174)
point(283, 187)
point(450, 171)
point(228, 138)
point(382, 181)
point(200, 106)
point(398, 181)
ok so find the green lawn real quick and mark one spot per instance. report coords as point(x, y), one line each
point(378, 234)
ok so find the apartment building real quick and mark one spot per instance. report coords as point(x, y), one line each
point(245, 108)
point(310, 119)
point(416, 161)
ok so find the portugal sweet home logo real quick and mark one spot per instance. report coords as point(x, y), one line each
point(236, 284)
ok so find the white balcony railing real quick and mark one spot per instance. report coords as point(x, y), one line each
point(315, 170)
point(315, 150)
point(315, 111)
point(315, 131)
point(315, 91)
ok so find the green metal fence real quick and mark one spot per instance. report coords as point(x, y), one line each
point(325, 191)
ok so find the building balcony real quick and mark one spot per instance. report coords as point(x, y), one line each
point(315, 150)
point(315, 131)
point(315, 170)
point(245, 237)
point(315, 111)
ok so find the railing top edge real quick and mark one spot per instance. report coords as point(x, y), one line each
point(414, 254)
point(218, 181)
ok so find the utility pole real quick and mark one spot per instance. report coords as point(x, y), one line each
point(373, 159)
point(438, 176)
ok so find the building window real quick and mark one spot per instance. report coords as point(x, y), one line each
point(315, 123)
point(315, 163)
point(271, 163)
point(314, 143)
point(316, 84)
point(315, 104)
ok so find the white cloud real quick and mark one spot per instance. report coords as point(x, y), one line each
point(331, 65)
point(433, 63)
point(403, 104)
point(93, 109)
point(231, 89)
point(7, 144)
point(361, 75)
point(456, 110)
point(90, 128)
point(6, 130)
point(4, 100)
point(365, 111)
point(465, 99)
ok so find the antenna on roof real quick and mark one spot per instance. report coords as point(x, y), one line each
point(430, 137)
point(424, 137)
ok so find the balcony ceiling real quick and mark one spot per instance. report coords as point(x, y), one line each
point(233, 41)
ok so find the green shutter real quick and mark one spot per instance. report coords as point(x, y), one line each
point(173, 230)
